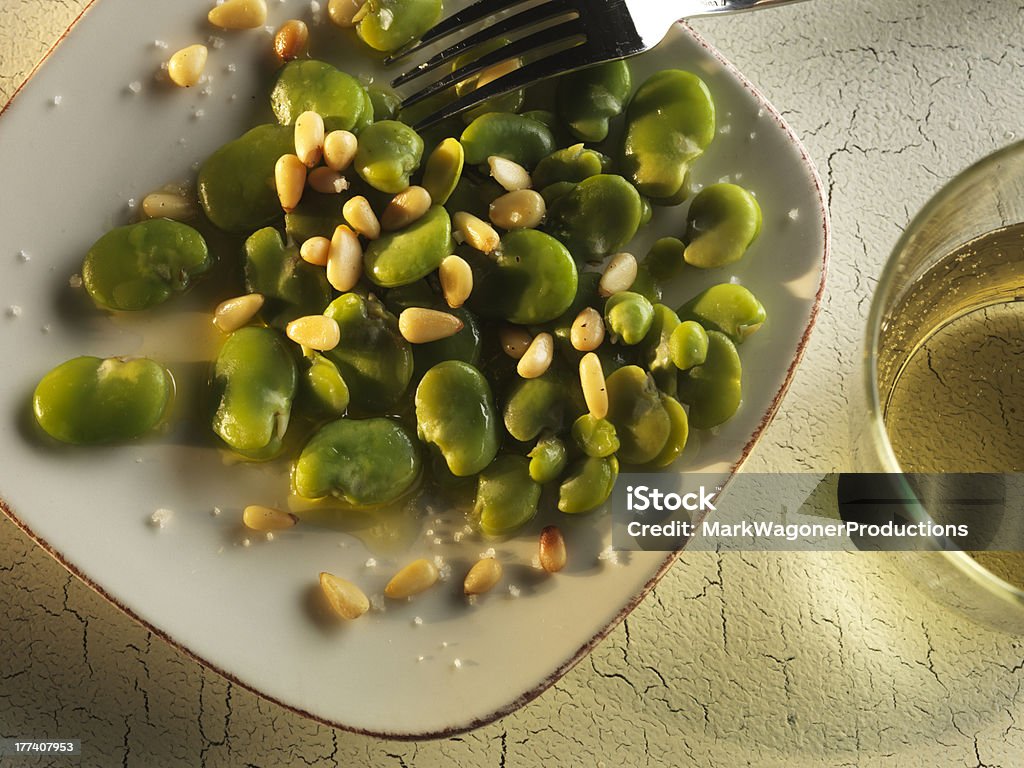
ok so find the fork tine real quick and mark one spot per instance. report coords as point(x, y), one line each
point(519, 21)
point(545, 37)
point(550, 66)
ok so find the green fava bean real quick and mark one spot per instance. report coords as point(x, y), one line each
point(646, 285)
point(679, 431)
point(363, 462)
point(646, 211)
point(713, 390)
point(290, 286)
point(506, 496)
point(688, 345)
point(90, 401)
point(628, 316)
point(669, 123)
point(665, 259)
point(405, 256)
point(574, 164)
point(597, 217)
point(655, 350)
point(587, 99)
point(389, 24)
point(595, 437)
point(729, 308)
point(236, 183)
point(586, 296)
point(316, 215)
point(535, 405)
point(514, 137)
point(553, 192)
point(254, 383)
point(548, 460)
point(636, 411)
point(386, 103)
point(507, 102)
point(532, 280)
point(723, 220)
point(315, 86)
point(455, 412)
point(589, 486)
point(324, 388)
point(142, 265)
point(388, 153)
point(443, 170)
point(373, 358)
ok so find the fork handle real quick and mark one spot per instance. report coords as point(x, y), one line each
point(710, 7)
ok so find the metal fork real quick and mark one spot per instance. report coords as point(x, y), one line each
point(569, 35)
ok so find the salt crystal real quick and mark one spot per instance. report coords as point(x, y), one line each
point(14, 311)
point(734, 280)
point(513, 590)
point(161, 517)
point(489, 552)
point(231, 68)
point(315, 11)
point(377, 604)
point(215, 511)
point(457, 663)
point(457, 536)
point(160, 44)
point(429, 532)
point(246, 543)
point(75, 281)
point(753, 135)
point(608, 555)
point(57, 100)
point(198, 114)
point(135, 86)
point(472, 599)
point(417, 621)
point(420, 658)
point(371, 562)
point(45, 328)
point(270, 536)
point(794, 214)
point(23, 255)
point(437, 539)
point(536, 562)
point(206, 91)
point(725, 129)
point(444, 643)
point(216, 42)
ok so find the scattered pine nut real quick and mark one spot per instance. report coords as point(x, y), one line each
point(290, 178)
point(482, 577)
point(339, 149)
point(290, 40)
point(186, 66)
point(456, 280)
point(522, 209)
point(345, 598)
point(619, 275)
point(315, 332)
point(326, 181)
point(595, 393)
point(258, 518)
point(343, 12)
point(239, 14)
point(316, 251)
point(511, 175)
point(361, 218)
point(168, 205)
point(587, 332)
point(552, 549)
point(538, 356)
point(232, 314)
point(515, 340)
point(344, 259)
point(477, 232)
point(416, 577)
point(422, 326)
point(405, 208)
point(309, 138)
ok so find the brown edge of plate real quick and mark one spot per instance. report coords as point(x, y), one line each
point(584, 649)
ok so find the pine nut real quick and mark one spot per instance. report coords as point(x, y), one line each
point(345, 598)
point(538, 356)
point(495, 71)
point(290, 40)
point(342, 12)
point(290, 178)
point(309, 138)
point(482, 577)
point(344, 259)
point(259, 518)
point(511, 175)
point(340, 149)
point(232, 314)
point(619, 275)
point(422, 326)
point(326, 181)
point(361, 218)
point(592, 381)
point(456, 280)
point(316, 251)
point(515, 340)
point(168, 205)
point(405, 208)
point(239, 14)
point(416, 577)
point(552, 549)
point(478, 233)
point(315, 332)
point(587, 332)
point(522, 209)
point(186, 66)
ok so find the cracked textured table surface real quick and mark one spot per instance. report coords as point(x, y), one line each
point(740, 659)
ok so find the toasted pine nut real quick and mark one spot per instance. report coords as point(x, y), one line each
point(482, 577)
point(344, 259)
point(342, 12)
point(514, 340)
point(361, 13)
point(456, 280)
point(511, 175)
point(478, 233)
point(168, 205)
point(552, 549)
point(345, 598)
point(232, 314)
point(421, 326)
point(260, 518)
point(309, 138)
point(339, 149)
point(594, 390)
point(587, 332)
point(618, 275)
point(522, 209)
point(405, 208)
point(316, 251)
point(186, 66)
point(239, 14)
point(327, 181)
point(314, 331)
point(290, 178)
point(361, 218)
point(290, 40)
point(416, 577)
point(495, 71)
point(538, 356)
